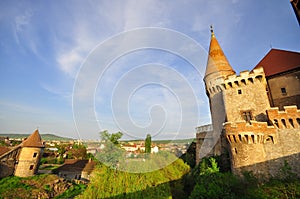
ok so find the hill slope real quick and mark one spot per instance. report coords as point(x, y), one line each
point(46, 137)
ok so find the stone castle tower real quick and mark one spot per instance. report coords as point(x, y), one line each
point(257, 137)
point(29, 156)
point(217, 69)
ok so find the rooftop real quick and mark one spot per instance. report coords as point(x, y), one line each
point(34, 140)
point(278, 61)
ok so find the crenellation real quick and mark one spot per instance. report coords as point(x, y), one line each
point(285, 119)
point(249, 133)
point(245, 78)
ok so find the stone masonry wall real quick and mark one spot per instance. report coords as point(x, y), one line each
point(28, 161)
point(246, 92)
point(263, 149)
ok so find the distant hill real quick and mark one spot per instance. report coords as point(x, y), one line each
point(45, 137)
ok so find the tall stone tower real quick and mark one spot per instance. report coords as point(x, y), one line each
point(217, 70)
point(30, 155)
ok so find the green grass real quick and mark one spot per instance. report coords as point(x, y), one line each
point(110, 183)
point(30, 187)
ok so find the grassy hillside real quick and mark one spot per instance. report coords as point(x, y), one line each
point(163, 183)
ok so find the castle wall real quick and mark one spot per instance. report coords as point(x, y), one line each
point(218, 118)
point(263, 149)
point(7, 162)
point(285, 89)
point(247, 144)
point(7, 168)
point(28, 161)
point(204, 145)
point(246, 94)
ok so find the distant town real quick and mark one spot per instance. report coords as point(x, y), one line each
point(74, 159)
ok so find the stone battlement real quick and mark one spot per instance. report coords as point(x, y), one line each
point(249, 133)
point(289, 118)
point(245, 78)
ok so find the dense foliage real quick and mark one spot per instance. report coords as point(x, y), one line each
point(206, 181)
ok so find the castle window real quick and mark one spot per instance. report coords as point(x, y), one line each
point(283, 91)
point(34, 155)
point(31, 167)
point(247, 116)
point(239, 91)
point(243, 81)
point(250, 79)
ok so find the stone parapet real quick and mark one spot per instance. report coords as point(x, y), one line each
point(245, 78)
point(236, 81)
point(249, 133)
point(289, 118)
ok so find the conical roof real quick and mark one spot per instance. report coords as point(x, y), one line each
point(34, 140)
point(217, 62)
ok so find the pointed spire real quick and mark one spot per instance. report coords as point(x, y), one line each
point(217, 62)
point(34, 140)
point(212, 31)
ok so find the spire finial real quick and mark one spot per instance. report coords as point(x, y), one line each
point(212, 31)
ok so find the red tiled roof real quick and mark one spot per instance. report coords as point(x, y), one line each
point(279, 61)
point(77, 165)
point(3, 150)
point(34, 140)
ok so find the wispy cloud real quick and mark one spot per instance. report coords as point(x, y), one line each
point(21, 21)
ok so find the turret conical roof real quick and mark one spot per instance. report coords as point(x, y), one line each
point(34, 140)
point(217, 62)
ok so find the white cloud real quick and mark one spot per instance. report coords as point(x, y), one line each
point(21, 21)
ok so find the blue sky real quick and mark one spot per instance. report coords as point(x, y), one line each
point(45, 45)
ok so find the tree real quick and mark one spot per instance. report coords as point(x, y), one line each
point(148, 144)
point(112, 153)
point(113, 138)
point(77, 151)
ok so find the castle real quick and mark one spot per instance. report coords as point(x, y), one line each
point(255, 115)
point(22, 160)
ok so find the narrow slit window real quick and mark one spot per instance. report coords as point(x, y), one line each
point(283, 91)
point(35, 155)
point(31, 167)
point(240, 91)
